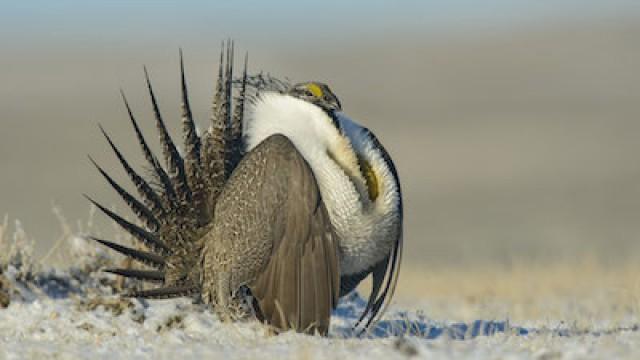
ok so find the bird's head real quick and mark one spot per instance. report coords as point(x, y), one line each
point(316, 93)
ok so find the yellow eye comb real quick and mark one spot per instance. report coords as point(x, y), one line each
point(315, 90)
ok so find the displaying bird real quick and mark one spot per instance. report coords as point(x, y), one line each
point(283, 205)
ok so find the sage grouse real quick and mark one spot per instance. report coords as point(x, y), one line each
point(288, 202)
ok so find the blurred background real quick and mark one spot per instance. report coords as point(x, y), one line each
point(515, 125)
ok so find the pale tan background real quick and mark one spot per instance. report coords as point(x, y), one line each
point(515, 128)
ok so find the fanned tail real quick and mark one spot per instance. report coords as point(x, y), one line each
point(176, 204)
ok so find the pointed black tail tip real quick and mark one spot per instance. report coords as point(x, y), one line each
point(92, 238)
point(146, 73)
point(181, 59)
point(98, 240)
point(94, 202)
point(361, 330)
point(365, 324)
point(103, 131)
point(91, 160)
point(111, 271)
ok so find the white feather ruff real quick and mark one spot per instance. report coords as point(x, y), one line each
point(367, 230)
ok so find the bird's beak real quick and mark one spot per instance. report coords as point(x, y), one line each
point(338, 105)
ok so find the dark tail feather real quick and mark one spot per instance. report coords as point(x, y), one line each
point(172, 157)
point(218, 97)
point(144, 257)
point(164, 293)
point(215, 140)
point(378, 278)
point(147, 238)
point(136, 206)
point(389, 287)
point(191, 139)
point(224, 110)
point(228, 111)
point(163, 177)
point(375, 307)
point(236, 121)
point(146, 275)
point(228, 83)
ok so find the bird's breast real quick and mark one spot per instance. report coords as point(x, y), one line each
point(366, 233)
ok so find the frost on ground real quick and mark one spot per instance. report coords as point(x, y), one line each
point(74, 311)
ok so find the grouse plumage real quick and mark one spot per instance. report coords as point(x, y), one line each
point(283, 197)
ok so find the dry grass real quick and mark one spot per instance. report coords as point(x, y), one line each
point(71, 247)
point(16, 248)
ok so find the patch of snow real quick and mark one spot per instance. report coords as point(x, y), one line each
point(77, 315)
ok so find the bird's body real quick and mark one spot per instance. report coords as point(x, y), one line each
point(290, 200)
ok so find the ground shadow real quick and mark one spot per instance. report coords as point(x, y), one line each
point(398, 324)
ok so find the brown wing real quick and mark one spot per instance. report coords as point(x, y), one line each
point(300, 284)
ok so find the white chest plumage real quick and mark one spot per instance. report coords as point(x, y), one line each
point(367, 228)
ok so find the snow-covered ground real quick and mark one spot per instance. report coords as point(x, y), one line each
point(74, 314)
point(72, 311)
